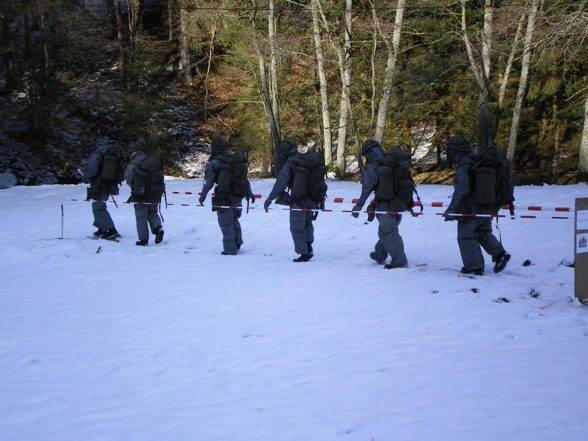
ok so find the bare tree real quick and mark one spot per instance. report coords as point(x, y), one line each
point(393, 44)
point(523, 79)
point(263, 82)
point(184, 46)
point(121, 44)
point(12, 80)
point(481, 70)
point(344, 61)
point(273, 64)
point(511, 58)
point(135, 10)
point(320, 61)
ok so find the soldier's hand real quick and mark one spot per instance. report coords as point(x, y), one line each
point(355, 211)
point(201, 199)
point(266, 205)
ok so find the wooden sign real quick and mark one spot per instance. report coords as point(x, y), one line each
point(581, 250)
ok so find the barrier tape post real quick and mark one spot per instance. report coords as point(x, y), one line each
point(61, 219)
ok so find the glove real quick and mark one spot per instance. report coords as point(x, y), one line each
point(355, 211)
point(266, 205)
point(201, 199)
point(449, 218)
point(252, 198)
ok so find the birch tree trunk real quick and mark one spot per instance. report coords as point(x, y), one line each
point(512, 141)
point(393, 46)
point(184, 48)
point(264, 83)
point(320, 62)
point(274, 91)
point(213, 28)
point(345, 63)
point(507, 70)
point(481, 72)
point(583, 160)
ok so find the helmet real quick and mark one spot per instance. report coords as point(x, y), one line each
point(456, 147)
point(218, 144)
point(368, 145)
point(287, 146)
point(458, 143)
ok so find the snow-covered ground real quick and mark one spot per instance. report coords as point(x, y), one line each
point(103, 341)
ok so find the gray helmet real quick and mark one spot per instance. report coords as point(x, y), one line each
point(368, 145)
point(458, 143)
point(218, 145)
point(287, 146)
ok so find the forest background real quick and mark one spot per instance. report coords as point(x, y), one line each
point(173, 74)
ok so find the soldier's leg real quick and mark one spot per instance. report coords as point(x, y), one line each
point(141, 216)
point(488, 241)
point(379, 254)
point(237, 226)
point(227, 226)
point(298, 230)
point(391, 239)
point(471, 254)
point(102, 219)
point(153, 218)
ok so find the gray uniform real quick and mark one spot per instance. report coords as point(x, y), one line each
point(301, 214)
point(473, 233)
point(228, 218)
point(390, 242)
point(146, 214)
point(102, 219)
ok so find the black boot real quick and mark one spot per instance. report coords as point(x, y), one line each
point(303, 258)
point(500, 261)
point(111, 234)
point(373, 257)
point(158, 235)
point(142, 243)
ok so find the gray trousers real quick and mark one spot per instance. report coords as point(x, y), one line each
point(102, 219)
point(472, 235)
point(228, 221)
point(301, 228)
point(390, 243)
point(146, 217)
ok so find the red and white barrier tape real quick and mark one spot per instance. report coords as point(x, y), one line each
point(340, 200)
point(432, 204)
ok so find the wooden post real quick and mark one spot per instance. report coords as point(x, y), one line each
point(581, 250)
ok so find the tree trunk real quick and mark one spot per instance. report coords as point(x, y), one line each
point(274, 91)
point(345, 106)
point(393, 47)
point(184, 49)
point(507, 70)
point(213, 29)
point(344, 63)
point(320, 61)
point(135, 17)
point(264, 84)
point(121, 44)
point(485, 133)
point(583, 160)
point(170, 21)
point(512, 141)
point(12, 80)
